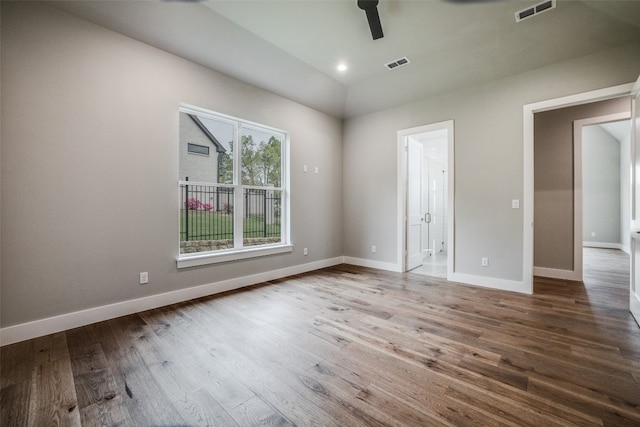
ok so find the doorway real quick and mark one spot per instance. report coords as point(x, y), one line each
point(426, 170)
point(529, 111)
point(602, 186)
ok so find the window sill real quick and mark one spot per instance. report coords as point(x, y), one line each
point(195, 260)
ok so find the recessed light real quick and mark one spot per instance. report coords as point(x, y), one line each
point(341, 67)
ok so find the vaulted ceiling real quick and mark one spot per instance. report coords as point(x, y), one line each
point(292, 47)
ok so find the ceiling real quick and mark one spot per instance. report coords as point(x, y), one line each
point(620, 130)
point(292, 47)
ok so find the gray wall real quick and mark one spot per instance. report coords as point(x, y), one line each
point(90, 166)
point(553, 181)
point(600, 186)
point(488, 161)
point(86, 108)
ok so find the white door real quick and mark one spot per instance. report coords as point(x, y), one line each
point(634, 302)
point(435, 207)
point(414, 204)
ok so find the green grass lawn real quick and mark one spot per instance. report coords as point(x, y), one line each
point(210, 225)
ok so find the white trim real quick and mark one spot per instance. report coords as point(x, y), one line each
point(636, 88)
point(634, 305)
point(605, 245)
point(187, 260)
point(528, 111)
point(37, 328)
point(401, 203)
point(491, 282)
point(401, 181)
point(554, 273)
point(380, 265)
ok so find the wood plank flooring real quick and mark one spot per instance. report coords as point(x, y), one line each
point(346, 346)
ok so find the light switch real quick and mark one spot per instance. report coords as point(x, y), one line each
point(515, 204)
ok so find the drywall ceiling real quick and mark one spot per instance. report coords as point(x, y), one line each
point(292, 47)
point(620, 130)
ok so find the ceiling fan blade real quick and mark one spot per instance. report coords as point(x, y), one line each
point(370, 8)
point(374, 23)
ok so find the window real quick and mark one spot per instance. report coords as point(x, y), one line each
point(198, 149)
point(233, 202)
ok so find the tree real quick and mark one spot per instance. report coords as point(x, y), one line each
point(261, 163)
point(270, 157)
point(225, 166)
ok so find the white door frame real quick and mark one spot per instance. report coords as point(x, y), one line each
point(415, 220)
point(634, 297)
point(528, 139)
point(401, 263)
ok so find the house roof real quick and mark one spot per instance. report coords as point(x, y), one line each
point(292, 47)
point(219, 147)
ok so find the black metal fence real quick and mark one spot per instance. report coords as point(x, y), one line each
point(261, 213)
point(207, 213)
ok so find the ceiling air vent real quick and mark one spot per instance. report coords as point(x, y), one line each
point(397, 63)
point(535, 10)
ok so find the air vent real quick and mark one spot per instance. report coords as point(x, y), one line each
point(397, 63)
point(535, 10)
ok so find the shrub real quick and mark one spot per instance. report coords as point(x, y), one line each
point(193, 204)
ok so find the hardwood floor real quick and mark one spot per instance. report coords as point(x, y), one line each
point(344, 346)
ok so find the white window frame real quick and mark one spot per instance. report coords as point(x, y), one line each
point(239, 252)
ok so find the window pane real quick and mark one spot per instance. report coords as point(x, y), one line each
point(213, 136)
point(261, 157)
point(262, 214)
point(197, 149)
point(206, 218)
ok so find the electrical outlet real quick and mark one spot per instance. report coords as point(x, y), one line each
point(593, 234)
point(485, 262)
point(144, 278)
point(373, 248)
point(305, 252)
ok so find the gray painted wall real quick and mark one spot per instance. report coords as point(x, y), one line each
point(488, 161)
point(90, 166)
point(600, 186)
point(86, 108)
point(553, 182)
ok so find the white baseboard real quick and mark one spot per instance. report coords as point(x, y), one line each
point(620, 246)
point(603, 245)
point(491, 282)
point(554, 273)
point(372, 264)
point(634, 306)
point(41, 327)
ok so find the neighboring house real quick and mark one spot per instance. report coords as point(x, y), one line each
point(200, 151)
point(201, 155)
